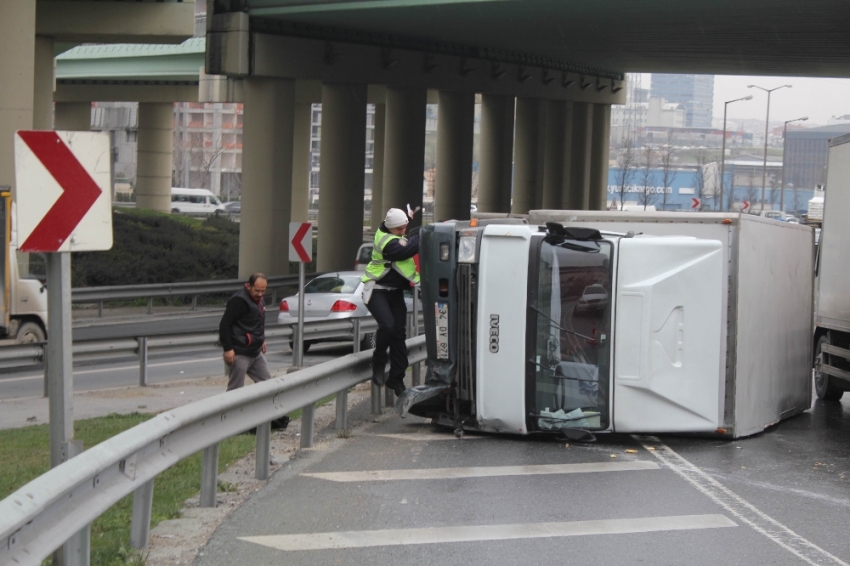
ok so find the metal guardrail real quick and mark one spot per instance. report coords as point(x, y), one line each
point(100, 295)
point(38, 518)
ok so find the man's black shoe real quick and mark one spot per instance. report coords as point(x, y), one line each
point(396, 386)
point(378, 377)
point(281, 423)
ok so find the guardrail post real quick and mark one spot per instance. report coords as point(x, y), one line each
point(77, 550)
point(150, 305)
point(342, 410)
point(376, 400)
point(194, 302)
point(308, 423)
point(140, 524)
point(100, 309)
point(264, 450)
point(389, 397)
point(143, 361)
point(209, 476)
point(44, 359)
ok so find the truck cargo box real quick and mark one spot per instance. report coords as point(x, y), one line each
point(767, 305)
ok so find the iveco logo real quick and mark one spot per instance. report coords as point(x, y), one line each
point(494, 333)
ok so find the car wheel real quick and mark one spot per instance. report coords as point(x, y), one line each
point(823, 386)
point(30, 333)
point(307, 345)
point(367, 342)
point(175, 211)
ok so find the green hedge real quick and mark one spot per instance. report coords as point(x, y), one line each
point(152, 247)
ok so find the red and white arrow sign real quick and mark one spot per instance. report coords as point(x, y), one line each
point(300, 242)
point(746, 205)
point(63, 199)
point(695, 202)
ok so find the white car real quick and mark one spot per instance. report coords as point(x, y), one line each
point(332, 296)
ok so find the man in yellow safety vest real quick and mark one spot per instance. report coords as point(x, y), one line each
point(391, 271)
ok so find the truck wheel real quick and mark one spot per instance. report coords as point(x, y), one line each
point(368, 342)
point(30, 333)
point(307, 344)
point(824, 389)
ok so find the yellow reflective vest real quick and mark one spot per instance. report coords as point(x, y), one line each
point(378, 266)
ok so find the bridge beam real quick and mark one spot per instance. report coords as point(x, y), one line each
point(124, 91)
point(600, 147)
point(404, 149)
point(86, 21)
point(528, 155)
point(155, 156)
point(495, 153)
point(73, 116)
point(578, 196)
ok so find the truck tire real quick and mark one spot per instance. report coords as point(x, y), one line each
point(30, 333)
point(825, 390)
point(367, 342)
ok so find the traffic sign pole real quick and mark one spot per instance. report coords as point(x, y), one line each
point(60, 382)
point(298, 355)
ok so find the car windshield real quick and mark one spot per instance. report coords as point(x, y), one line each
point(572, 337)
point(346, 284)
point(365, 254)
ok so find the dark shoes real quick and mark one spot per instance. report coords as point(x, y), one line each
point(378, 376)
point(397, 386)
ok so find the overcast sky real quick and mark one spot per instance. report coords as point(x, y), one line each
point(819, 99)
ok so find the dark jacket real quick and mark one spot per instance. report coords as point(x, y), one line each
point(243, 325)
point(394, 251)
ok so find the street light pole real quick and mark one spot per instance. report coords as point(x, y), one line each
point(784, 138)
point(766, 124)
point(723, 150)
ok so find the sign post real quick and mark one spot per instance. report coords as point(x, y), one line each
point(63, 205)
point(300, 250)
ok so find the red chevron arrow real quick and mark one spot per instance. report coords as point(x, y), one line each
point(79, 191)
point(298, 242)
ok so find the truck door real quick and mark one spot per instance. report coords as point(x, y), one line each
point(669, 362)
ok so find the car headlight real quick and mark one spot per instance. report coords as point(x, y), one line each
point(466, 249)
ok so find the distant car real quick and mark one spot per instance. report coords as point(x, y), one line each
point(594, 298)
point(332, 296)
point(233, 207)
point(194, 202)
point(364, 256)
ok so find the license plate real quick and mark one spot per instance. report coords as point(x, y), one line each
point(441, 314)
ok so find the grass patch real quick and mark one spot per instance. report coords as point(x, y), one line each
point(25, 454)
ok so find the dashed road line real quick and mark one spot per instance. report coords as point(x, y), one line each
point(483, 471)
point(739, 507)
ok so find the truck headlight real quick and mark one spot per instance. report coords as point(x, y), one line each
point(466, 249)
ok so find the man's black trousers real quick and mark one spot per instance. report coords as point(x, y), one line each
point(390, 312)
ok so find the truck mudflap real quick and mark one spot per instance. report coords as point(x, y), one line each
point(427, 400)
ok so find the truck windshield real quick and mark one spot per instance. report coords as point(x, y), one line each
point(572, 335)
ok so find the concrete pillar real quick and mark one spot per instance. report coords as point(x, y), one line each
point(267, 133)
point(154, 156)
point(378, 167)
point(553, 154)
point(528, 155)
point(495, 153)
point(73, 116)
point(598, 197)
point(343, 149)
point(455, 123)
point(404, 150)
point(301, 165)
point(566, 156)
point(17, 43)
point(578, 196)
point(42, 106)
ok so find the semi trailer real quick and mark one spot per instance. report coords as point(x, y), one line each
point(584, 322)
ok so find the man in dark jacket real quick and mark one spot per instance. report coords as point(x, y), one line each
point(242, 333)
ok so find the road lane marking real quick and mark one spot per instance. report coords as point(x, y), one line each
point(483, 471)
point(737, 506)
point(442, 535)
point(428, 436)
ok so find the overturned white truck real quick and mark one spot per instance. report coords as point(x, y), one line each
point(582, 322)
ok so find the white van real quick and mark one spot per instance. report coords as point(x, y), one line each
point(195, 202)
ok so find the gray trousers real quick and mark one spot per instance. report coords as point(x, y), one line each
point(255, 367)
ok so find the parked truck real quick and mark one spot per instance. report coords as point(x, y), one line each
point(584, 322)
point(23, 300)
point(832, 318)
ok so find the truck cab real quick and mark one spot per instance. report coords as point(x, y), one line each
point(550, 329)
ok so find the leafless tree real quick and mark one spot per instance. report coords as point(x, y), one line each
point(625, 169)
point(752, 189)
point(193, 159)
point(773, 193)
point(647, 197)
point(701, 180)
point(668, 173)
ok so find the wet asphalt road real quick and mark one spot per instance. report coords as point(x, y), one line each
point(781, 497)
